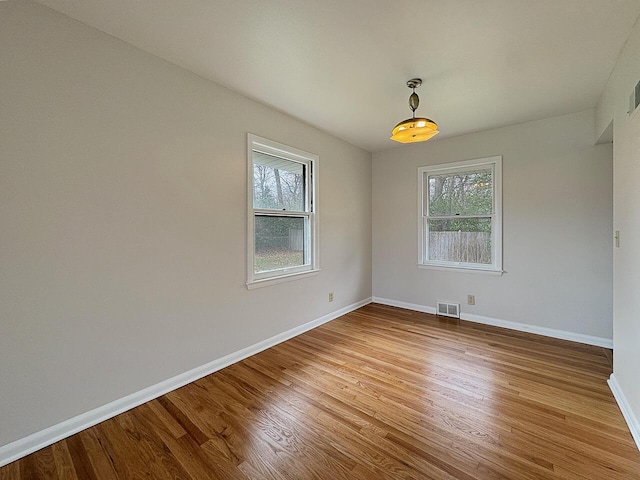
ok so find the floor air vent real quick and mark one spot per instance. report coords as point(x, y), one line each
point(448, 309)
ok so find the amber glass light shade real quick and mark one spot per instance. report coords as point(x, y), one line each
point(414, 130)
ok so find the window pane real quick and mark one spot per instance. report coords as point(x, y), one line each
point(280, 242)
point(465, 240)
point(278, 184)
point(467, 193)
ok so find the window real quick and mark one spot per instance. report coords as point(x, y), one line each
point(282, 243)
point(460, 215)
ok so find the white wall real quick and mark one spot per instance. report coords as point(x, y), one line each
point(123, 221)
point(613, 105)
point(557, 194)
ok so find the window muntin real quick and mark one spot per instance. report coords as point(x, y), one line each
point(460, 215)
point(282, 218)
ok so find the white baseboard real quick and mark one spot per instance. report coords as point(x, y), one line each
point(408, 306)
point(20, 448)
point(625, 408)
point(521, 327)
point(547, 332)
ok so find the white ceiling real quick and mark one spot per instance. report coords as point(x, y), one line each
point(342, 65)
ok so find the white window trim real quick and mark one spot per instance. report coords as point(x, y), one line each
point(270, 147)
point(496, 231)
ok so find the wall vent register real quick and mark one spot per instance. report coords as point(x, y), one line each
point(448, 309)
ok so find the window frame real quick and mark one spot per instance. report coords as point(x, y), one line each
point(311, 263)
point(495, 163)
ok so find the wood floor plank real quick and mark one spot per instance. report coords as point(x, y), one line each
point(11, 471)
point(183, 420)
point(287, 443)
point(44, 463)
point(349, 445)
point(63, 461)
point(187, 451)
point(80, 458)
point(381, 393)
point(100, 460)
point(28, 467)
point(169, 422)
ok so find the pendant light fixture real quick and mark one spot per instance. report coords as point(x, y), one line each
point(414, 129)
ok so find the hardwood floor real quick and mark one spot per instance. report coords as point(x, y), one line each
point(381, 393)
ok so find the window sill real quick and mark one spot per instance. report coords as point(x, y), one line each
point(446, 268)
point(281, 279)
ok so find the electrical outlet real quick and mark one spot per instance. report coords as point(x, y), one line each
point(471, 299)
point(331, 296)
